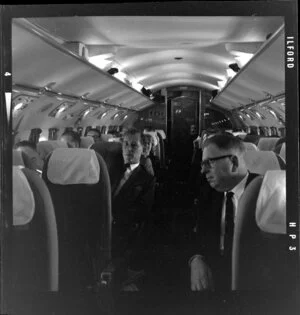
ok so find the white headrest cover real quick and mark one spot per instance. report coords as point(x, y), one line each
point(73, 166)
point(271, 203)
point(162, 133)
point(86, 142)
point(261, 161)
point(267, 144)
point(282, 152)
point(46, 147)
point(250, 146)
point(23, 199)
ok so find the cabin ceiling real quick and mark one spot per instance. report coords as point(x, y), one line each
point(145, 47)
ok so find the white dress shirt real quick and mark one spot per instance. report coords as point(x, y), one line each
point(238, 191)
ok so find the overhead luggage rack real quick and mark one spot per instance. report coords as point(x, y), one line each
point(262, 76)
point(49, 61)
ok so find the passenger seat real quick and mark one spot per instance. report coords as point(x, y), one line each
point(250, 146)
point(79, 184)
point(261, 161)
point(267, 144)
point(260, 249)
point(34, 235)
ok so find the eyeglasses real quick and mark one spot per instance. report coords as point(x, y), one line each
point(211, 162)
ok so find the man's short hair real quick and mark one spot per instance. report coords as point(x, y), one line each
point(73, 134)
point(26, 143)
point(226, 141)
point(132, 131)
point(95, 130)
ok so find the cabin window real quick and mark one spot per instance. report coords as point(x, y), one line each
point(61, 109)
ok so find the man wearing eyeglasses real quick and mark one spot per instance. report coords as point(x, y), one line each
point(226, 173)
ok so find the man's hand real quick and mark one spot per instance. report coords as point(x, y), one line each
point(201, 276)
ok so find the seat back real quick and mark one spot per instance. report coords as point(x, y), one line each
point(34, 234)
point(267, 144)
point(260, 251)
point(86, 142)
point(261, 161)
point(111, 152)
point(79, 184)
point(252, 138)
point(250, 146)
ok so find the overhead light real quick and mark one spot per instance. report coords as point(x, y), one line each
point(113, 71)
point(242, 58)
point(121, 76)
point(100, 60)
point(230, 73)
point(234, 66)
point(136, 85)
point(221, 84)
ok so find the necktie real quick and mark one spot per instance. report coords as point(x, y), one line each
point(123, 179)
point(229, 223)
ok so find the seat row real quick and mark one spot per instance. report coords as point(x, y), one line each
point(62, 221)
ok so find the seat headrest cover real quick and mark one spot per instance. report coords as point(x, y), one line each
point(282, 152)
point(23, 199)
point(261, 161)
point(18, 158)
point(46, 147)
point(86, 142)
point(162, 133)
point(68, 166)
point(271, 203)
point(250, 146)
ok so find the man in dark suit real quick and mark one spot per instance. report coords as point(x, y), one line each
point(132, 200)
point(226, 178)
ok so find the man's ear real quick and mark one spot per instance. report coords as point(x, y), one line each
point(235, 163)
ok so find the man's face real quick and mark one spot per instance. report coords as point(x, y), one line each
point(94, 135)
point(69, 141)
point(218, 172)
point(132, 149)
point(33, 160)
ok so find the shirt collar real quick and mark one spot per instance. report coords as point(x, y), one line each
point(240, 187)
point(134, 166)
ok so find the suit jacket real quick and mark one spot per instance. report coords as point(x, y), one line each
point(209, 230)
point(131, 209)
point(146, 162)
